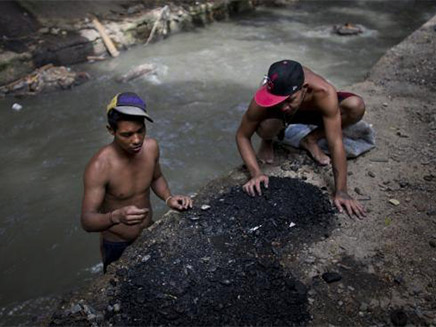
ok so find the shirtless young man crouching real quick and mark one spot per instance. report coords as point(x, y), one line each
point(117, 180)
point(295, 94)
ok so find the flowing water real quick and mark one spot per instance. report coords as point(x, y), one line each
point(203, 83)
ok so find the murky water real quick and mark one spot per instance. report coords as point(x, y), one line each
point(203, 84)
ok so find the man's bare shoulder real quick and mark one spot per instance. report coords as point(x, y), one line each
point(256, 113)
point(321, 93)
point(151, 145)
point(318, 84)
point(101, 161)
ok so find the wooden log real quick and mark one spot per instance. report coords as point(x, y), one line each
point(156, 23)
point(110, 46)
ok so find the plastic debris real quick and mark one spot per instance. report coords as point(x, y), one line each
point(254, 228)
point(395, 202)
point(205, 207)
point(17, 107)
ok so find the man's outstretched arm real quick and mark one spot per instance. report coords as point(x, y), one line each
point(249, 123)
point(160, 187)
point(333, 132)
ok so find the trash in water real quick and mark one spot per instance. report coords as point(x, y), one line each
point(17, 107)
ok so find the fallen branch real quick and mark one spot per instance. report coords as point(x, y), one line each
point(156, 23)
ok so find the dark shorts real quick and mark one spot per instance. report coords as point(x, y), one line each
point(309, 118)
point(112, 251)
point(343, 95)
point(314, 118)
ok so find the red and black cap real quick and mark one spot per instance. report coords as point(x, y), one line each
point(284, 78)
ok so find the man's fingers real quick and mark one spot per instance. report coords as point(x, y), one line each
point(136, 211)
point(349, 209)
point(135, 217)
point(250, 190)
point(245, 188)
point(258, 189)
point(338, 206)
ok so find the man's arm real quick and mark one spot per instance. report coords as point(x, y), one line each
point(249, 124)
point(333, 132)
point(160, 187)
point(95, 181)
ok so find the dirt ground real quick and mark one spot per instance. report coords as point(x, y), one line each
point(387, 261)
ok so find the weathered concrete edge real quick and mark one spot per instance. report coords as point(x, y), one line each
point(401, 58)
point(383, 73)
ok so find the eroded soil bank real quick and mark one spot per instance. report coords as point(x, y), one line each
point(63, 33)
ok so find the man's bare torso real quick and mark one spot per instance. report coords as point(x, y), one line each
point(128, 183)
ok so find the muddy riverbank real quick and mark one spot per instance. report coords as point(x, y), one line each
point(65, 33)
point(381, 268)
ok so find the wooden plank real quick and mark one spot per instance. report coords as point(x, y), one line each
point(110, 46)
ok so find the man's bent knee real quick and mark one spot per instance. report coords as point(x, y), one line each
point(353, 109)
point(269, 128)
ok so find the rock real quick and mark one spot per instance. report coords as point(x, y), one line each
point(358, 191)
point(432, 243)
point(91, 317)
point(371, 174)
point(385, 104)
point(330, 277)
point(399, 318)
point(398, 279)
point(117, 307)
point(136, 72)
point(90, 34)
point(428, 178)
point(77, 308)
point(347, 29)
point(205, 207)
point(395, 202)
point(46, 78)
point(374, 303)
point(401, 134)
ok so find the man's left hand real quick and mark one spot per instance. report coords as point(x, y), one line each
point(179, 202)
point(352, 206)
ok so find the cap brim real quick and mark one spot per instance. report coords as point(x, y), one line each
point(265, 99)
point(133, 111)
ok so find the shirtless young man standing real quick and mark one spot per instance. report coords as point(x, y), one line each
point(294, 94)
point(117, 180)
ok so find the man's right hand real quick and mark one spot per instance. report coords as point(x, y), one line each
point(129, 215)
point(254, 183)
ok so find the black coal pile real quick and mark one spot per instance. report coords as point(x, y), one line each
point(221, 265)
